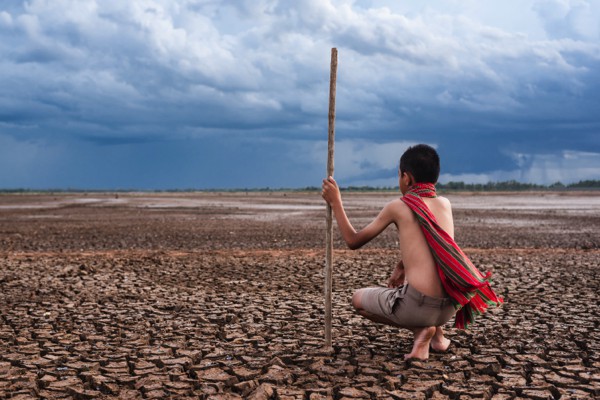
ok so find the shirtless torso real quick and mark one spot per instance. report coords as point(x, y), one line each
point(419, 265)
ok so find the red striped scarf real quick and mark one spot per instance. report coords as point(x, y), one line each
point(468, 288)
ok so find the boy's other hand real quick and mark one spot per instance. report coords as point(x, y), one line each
point(398, 276)
point(331, 191)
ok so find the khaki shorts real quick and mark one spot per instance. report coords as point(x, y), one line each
point(406, 306)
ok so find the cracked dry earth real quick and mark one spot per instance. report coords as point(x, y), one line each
point(219, 296)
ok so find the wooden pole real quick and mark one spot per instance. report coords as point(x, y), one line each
point(329, 232)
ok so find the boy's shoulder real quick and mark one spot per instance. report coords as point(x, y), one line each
point(445, 201)
point(440, 203)
point(397, 207)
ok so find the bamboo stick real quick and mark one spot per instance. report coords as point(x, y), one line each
point(329, 231)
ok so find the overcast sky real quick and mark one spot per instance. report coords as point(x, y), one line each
point(159, 94)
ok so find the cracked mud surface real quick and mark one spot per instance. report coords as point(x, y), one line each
point(220, 296)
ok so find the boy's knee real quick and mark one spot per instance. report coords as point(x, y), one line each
point(356, 299)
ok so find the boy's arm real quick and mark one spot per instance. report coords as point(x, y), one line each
point(353, 239)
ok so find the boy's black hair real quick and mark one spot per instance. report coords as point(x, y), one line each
point(422, 162)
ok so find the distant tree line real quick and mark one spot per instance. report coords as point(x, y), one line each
point(516, 186)
point(506, 186)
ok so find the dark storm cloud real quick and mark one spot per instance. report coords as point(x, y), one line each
point(143, 82)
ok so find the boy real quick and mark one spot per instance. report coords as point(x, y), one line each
point(434, 279)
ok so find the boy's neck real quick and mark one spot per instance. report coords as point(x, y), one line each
point(423, 189)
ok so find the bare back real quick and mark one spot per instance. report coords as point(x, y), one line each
point(419, 265)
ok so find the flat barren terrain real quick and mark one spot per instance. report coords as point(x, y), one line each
point(220, 296)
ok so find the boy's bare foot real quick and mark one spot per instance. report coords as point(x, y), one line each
point(441, 346)
point(439, 343)
point(421, 343)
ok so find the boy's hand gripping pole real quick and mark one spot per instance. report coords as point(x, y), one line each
point(329, 232)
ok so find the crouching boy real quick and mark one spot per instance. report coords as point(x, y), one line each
point(434, 280)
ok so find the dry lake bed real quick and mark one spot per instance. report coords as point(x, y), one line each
point(219, 296)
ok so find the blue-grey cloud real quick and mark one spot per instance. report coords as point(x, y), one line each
point(247, 82)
